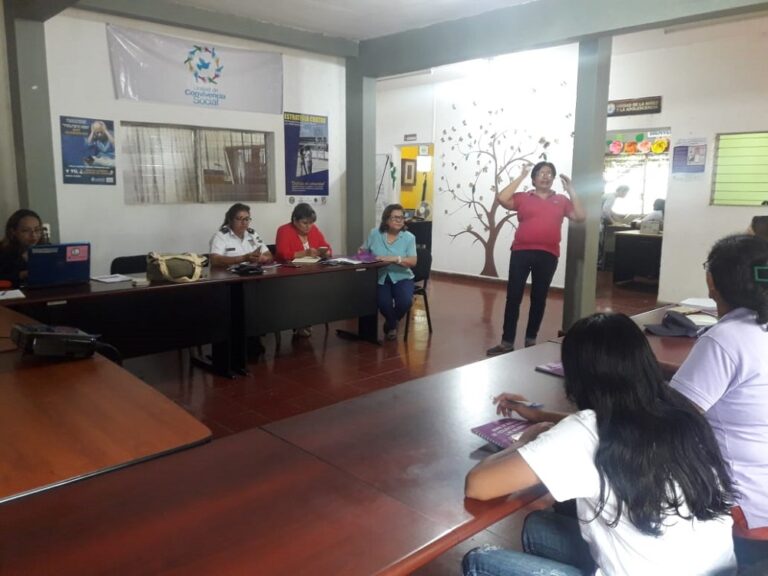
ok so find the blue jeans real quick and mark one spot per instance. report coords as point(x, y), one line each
point(394, 301)
point(553, 547)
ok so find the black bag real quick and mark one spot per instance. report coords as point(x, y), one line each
point(675, 324)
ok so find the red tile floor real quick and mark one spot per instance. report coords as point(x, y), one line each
point(305, 374)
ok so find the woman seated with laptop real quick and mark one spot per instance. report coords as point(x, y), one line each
point(23, 229)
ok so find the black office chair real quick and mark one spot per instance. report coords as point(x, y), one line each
point(421, 278)
point(129, 264)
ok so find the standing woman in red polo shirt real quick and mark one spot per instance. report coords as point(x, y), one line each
point(536, 246)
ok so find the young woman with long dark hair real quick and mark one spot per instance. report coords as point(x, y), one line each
point(726, 376)
point(652, 492)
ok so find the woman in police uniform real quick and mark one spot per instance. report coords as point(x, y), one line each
point(235, 242)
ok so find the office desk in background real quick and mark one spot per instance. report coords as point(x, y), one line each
point(636, 255)
point(62, 421)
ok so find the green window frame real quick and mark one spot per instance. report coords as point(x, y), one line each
point(740, 175)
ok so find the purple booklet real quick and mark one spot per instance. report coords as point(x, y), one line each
point(502, 433)
point(555, 368)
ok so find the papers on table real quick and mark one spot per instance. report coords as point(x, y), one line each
point(343, 260)
point(11, 294)
point(703, 303)
point(306, 260)
point(111, 278)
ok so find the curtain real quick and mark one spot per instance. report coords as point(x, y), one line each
point(160, 165)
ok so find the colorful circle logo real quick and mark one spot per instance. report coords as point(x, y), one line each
point(204, 64)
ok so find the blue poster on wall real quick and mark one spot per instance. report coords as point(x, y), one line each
point(306, 154)
point(87, 150)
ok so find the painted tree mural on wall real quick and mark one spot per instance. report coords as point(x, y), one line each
point(497, 156)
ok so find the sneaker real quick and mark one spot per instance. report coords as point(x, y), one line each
point(303, 332)
point(391, 335)
point(530, 342)
point(502, 348)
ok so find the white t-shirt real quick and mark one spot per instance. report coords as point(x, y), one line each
point(226, 243)
point(726, 375)
point(563, 458)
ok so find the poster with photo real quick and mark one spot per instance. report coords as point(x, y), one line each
point(87, 150)
point(306, 155)
point(689, 156)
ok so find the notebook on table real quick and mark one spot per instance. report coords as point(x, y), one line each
point(58, 264)
point(502, 433)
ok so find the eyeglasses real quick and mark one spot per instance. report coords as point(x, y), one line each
point(705, 265)
point(397, 218)
point(245, 219)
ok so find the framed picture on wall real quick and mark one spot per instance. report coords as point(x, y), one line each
point(407, 172)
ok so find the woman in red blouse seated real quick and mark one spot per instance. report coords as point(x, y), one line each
point(301, 237)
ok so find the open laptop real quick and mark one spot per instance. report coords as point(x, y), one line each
point(57, 264)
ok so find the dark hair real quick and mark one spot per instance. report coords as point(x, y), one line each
point(535, 170)
point(10, 242)
point(760, 226)
point(230, 214)
point(303, 211)
point(384, 226)
point(659, 204)
point(656, 454)
point(733, 263)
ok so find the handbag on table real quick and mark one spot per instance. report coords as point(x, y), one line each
point(178, 268)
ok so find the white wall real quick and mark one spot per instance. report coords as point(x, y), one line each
point(712, 80)
point(504, 96)
point(81, 85)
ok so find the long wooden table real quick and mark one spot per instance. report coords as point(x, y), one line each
point(412, 441)
point(62, 421)
point(373, 485)
point(223, 309)
point(246, 504)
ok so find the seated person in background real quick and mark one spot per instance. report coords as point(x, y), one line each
point(392, 243)
point(608, 216)
point(658, 212)
point(300, 237)
point(726, 376)
point(23, 229)
point(759, 227)
point(652, 492)
point(235, 242)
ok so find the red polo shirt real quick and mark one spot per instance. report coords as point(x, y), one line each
point(539, 221)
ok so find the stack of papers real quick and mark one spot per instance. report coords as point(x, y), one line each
point(306, 260)
point(111, 278)
point(343, 260)
point(703, 303)
point(11, 294)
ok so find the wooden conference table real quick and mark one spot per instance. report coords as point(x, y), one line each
point(62, 421)
point(373, 485)
point(223, 309)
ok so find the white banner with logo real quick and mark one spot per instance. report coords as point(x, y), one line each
point(166, 69)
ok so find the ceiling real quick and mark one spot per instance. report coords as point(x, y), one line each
point(352, 19)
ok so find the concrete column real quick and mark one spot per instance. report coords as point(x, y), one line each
point(361, 155)
point(588, 162)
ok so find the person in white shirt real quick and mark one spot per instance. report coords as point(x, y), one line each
point(652, 491)
point(236, 242)
point(607, 213)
